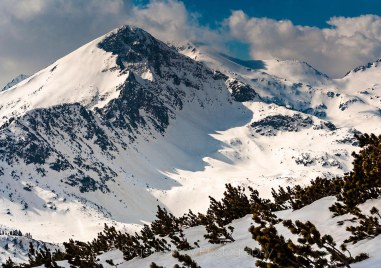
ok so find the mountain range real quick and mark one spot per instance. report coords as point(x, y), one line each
point(127, 122)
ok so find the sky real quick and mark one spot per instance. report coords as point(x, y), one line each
point(333, 36)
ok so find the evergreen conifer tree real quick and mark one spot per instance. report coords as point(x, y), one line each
point(368, 227)
point(185, 259)
point(364, 181)
point(165, 223)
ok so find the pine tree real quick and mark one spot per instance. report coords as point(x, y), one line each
point(368, 228)
point(233, 205)
point(282, 198)
point(189, 220)
point(311, 249)
point(364, 181)
point(218, 233)
point(310, 236)
point(185, 259)
point(150, 243)
point(154, 265)
point(80, 254)
point(257, 203)
point(298, 197)
point(43, 256)
point(275, 251)
point(180, 241)
point(165, 223)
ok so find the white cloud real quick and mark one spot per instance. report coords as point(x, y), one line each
point(21, 9)
point(35, 33)
point(349, 42)
point(171, 21)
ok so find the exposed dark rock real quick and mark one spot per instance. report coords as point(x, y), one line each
point(126, 111)
point(270, 125)
point(241, 92)
point(345, 105)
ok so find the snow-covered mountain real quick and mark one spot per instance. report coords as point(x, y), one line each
point(15, 81)
point(127, 122)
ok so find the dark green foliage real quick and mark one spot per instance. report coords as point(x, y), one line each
point(142, 244)
point(274, 251)
point(282, 197)
point(311, 249)
point(111, 262)
point(154, 265)
point(298, 197)
point(258, 204)
point(364, 181)
point(149, 242)
point(180, 241)
point(369, 227)
point(185, 259)
point(81, 254)
point(317, 189)
point(233, 205)
point(43, 256)
point(139, 245)
point(165, 223)
point(219, 234)
point(40, 257)
point(189, 220)
point(262, 217)
point(310, 236)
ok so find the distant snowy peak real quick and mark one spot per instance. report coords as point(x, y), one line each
point(15, 81)
point(291, 70)
point(296, 71)
point(364, 80)
point(369, 66)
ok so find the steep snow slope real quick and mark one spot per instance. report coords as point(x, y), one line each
point(82, 76)
point(126, 122)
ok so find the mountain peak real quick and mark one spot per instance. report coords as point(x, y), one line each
point(132, 45)
point(15, 81)
point(131, 30)
point(365, 67)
